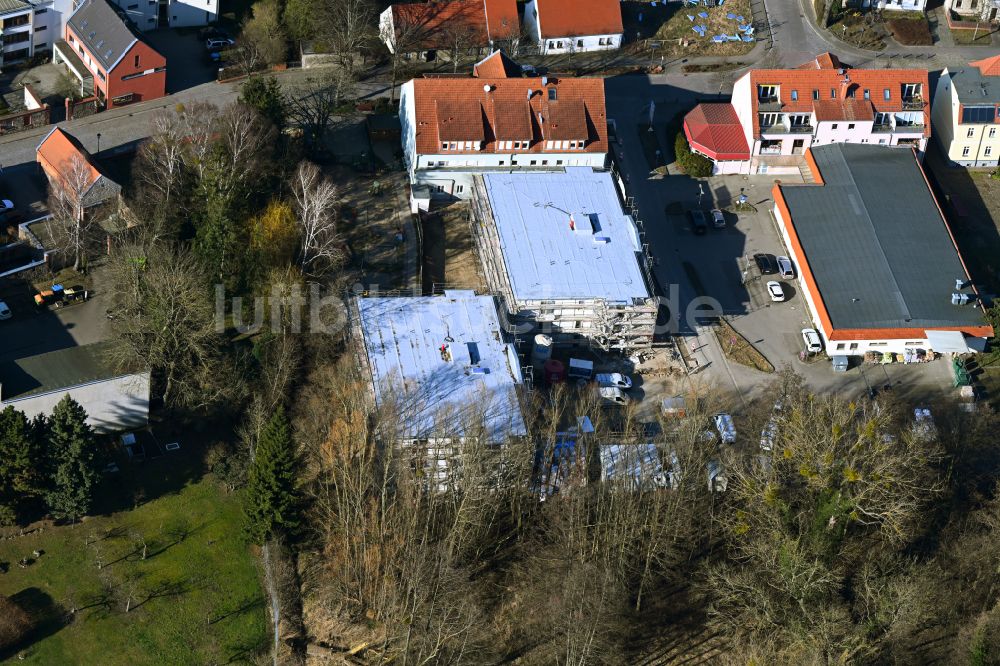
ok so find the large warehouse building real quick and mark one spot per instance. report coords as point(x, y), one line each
point(877, 263)
point(564, 257)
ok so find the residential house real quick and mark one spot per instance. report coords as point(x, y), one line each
point(104, 48)
point(433, 30)
point(28, 29)
point(784, 112)
point(446, 369)
point(975, 10)
point(891, 5)
point(70, 169)
point(877, 265)
point(966, 113)
point(564, 257)
point(153, 14)
point(565, 26)
point(454, 128)
point(115, 399)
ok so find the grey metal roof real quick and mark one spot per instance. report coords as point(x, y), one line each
point(103, 32)
point(7, 6)
point(56, 370)
point(974, 88)
point(875, 241)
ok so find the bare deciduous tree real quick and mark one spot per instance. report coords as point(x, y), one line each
point(316, 198)
point(68, 202)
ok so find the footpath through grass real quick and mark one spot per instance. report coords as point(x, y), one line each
point(194, 599)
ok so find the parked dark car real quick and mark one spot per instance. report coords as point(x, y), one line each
point(699, 222)
point(766, 263)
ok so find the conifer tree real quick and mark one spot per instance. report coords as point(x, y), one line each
point(271, 503)
point(72, 449)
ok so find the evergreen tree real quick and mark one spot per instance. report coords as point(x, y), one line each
point(264, 94)
point(271, 503)
point(21, 473)
point(73, 450)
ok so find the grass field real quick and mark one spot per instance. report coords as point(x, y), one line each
point(669, 24)
point(983, 37)
point(195, 598)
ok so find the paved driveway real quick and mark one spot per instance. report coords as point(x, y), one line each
point(30, 331)
point(187, 61)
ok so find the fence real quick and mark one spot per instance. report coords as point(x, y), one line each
point(82, 108)
point(23, 120)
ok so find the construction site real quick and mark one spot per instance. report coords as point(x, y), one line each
point(562, 255)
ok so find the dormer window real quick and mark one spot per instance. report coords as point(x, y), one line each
point(887, 94)
point(816, 94)
point(868, 94)
point(911, 90)
point(767, 93)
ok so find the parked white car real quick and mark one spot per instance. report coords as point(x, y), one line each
point(812, 340)
point(775, 291)
point(613, 396)
point(615, 379)
point(785, 268)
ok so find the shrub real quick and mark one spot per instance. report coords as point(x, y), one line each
point(15, 623)
point(694, 165)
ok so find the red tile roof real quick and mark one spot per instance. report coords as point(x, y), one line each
point(988, 66)
point(443, 107)
point(854, 81)
point(843, 109)
point(432, 25)
point(714, 130)
point(577, 18)
point(57, 153)
point(496, 66)
point(822, 61)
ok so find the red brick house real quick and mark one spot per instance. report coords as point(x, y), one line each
point(101, 45)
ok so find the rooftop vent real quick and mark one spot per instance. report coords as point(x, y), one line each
point(959, 284)
point(959, 299)
point(487, 88)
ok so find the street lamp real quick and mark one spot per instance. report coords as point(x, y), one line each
point(98, 142)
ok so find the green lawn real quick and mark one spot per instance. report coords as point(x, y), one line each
point(196, 598)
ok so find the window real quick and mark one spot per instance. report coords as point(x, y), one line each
point(965, 151)
point(559, 44)
point(545, 162)
point(993, 132)
point(881, 118)
point(887, 94)
point(833, 93)
point(987, 151)
point(135, 63)
point(552, 45)
point(877, 344)
point(850, 92)
point(795, 95)
point(868, 94)
point(100, 75)
point(767, 92)
point(444, 145)
point(840, 345)
point(881, 142)
point(970, 133)
point(850, 126)
point(854, 345)
point(816, 94)
point(768, 119)
point(533, 162)
point(459, 189)
point(452, 145)
point(502, 162)
point(553, 95)
point(439, 188)
point(579, 43)
point(559, 162)
point(834, 125)
point(911, 90)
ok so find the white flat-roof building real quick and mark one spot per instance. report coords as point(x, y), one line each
point(563, 256)
point(444, 365)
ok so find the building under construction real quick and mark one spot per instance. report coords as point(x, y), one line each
point(564, 257)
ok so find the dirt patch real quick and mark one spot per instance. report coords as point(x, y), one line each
point(450, 259)
point(983, 37)
point(714, 67)
point(861, 30)
point(670, 31)
point(372, 223)
point(738, 349)
point(910, 31)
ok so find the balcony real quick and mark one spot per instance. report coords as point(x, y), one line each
point(801, 129)
point(909, 129)
point(913, 103)
point(782, 128)
point(768, 104)
point(882, 128)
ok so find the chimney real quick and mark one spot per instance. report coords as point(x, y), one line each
point(845, 85)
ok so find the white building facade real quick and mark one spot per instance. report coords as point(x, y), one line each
point(153, 14)
point(966, 114)
point(582, 28)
